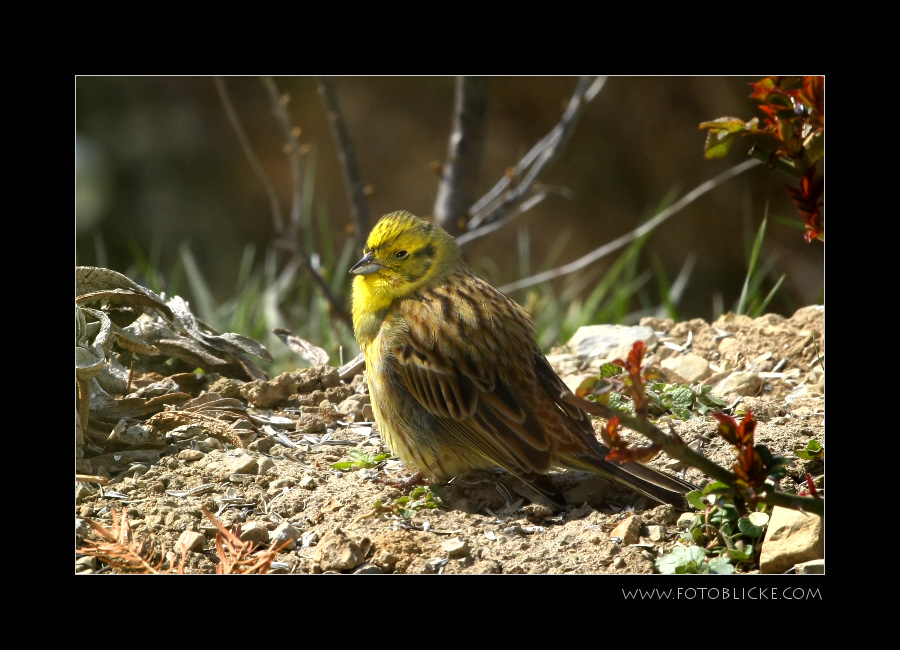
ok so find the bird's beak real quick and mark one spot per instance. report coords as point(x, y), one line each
point(366, 266)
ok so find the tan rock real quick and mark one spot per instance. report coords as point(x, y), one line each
point(629, 530)
point(793, 537)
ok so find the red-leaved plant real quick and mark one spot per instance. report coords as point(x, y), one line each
point(791, 138)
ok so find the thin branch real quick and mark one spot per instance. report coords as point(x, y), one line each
point(638, 232)
point(279, 106)
point(464, 153)
point(359, 207)
point(513, 188)
point(248, 152)
point(675, 447)
point(292, 239)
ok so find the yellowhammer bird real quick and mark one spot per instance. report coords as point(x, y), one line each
point(456, 378)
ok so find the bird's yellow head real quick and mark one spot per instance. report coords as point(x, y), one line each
point(403, 253)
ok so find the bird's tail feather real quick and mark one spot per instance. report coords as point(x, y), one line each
point(648, 481)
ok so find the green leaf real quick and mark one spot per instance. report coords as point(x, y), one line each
point(741, 552)
point(682, 560)
point(695, 498)
point(681, 414)
point(720, 566)
point(715, 487)
point(668, 564)
point(681, 397)
point(748, 528)
point(610, 370)
point(344, 464)
point(710, 400)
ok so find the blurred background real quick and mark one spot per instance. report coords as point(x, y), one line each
point(166, 194)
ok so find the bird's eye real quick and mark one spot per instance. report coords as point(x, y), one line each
point(401, 255)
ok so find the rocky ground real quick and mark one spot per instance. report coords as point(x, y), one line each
point(261, 454)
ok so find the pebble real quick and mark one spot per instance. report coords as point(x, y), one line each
point(629, 530)
point(284, 532)
point(86, 564)
point(255, 531)
point(656, 533)
point(193, 540)
point(455, 547)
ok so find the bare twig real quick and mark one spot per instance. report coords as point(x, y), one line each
point(293, 237)
point(353, 367)
point(88, 478)
point(359, 207)
point(513, 188)
point(248, 152)
point(676, 448)
point(464, 153)
point(279, 108)
point(638, 232)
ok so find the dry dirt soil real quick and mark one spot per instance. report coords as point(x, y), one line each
point(293, 434)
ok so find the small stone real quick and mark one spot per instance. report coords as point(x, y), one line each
point(81, 527)
point(286, 534)
point(309, 423)
point(368, 414)
point(386, 560)
point(601, 341)
point(83, 490)
point(656, 533)
point(194, 541)
point(255, 531)
point(455, 547)
point(629, 530)
point(537, 511)
point(648, 555)
point(210, 444)
point(282, 483)
point(188, 455)
point(85, 564)
point(685, 520)
point(739, 383)
point(353, 406)
point(689, 367)
point(263, 465)
point(619, 563)
point(337, 551)
point(661, 515)
point(243, 464)
point(308, 483)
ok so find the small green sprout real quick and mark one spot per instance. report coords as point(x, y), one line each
point(361, 460)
